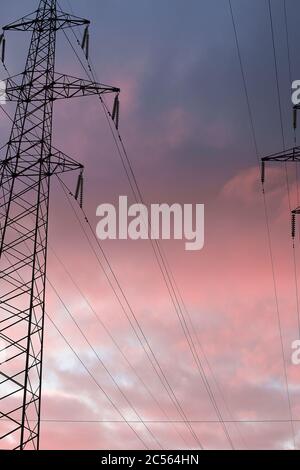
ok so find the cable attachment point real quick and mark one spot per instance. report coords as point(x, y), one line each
point(79, 190)
point(293, 225)
point(85, 45)
point(116, 111)
point(2, 44)
point(81, 194)
point(295, 118)
point(263, 171)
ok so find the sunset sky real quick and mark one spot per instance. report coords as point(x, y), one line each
point(185, 125)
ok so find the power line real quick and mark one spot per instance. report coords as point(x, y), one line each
point(135, 324)
point(194, 421)
point(102, 268)
point(287, 39)
point(196, 358)
point(264, 196)
point(103, 365)
point(92, 348)
point(106, 259)
point(218, 387)
point(98, 319)
point(80, 360)
point(160, 257)
point(276, 74)
point(30, 435)
point(96, 381)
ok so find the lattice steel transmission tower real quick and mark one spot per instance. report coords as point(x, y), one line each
point(25, 175)
point(291, 155)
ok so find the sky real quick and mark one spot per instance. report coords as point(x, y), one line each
point(185, 124)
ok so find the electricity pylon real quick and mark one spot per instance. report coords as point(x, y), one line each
point(25, 175)
point(291, 155)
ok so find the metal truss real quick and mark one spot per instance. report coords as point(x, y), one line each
point(25, 175)
point(63, 86)
point(290, 155)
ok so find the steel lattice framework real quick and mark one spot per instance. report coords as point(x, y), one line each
point(25, 175)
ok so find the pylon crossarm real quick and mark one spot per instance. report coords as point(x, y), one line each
point(61, 163)
point(56, 162)
point(290, 155)
point(66, 86)
point(62, 21)
point(22, 24)
point(63, 86)
point(65, 20)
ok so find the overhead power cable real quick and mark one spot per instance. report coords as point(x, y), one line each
point(97, 382)
point(245, 89)
point(114, 341)
point(103, 268)
point(92, 348)
point(157, 251)
point(17, 224)
point(86, 368)
point(134, 322)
